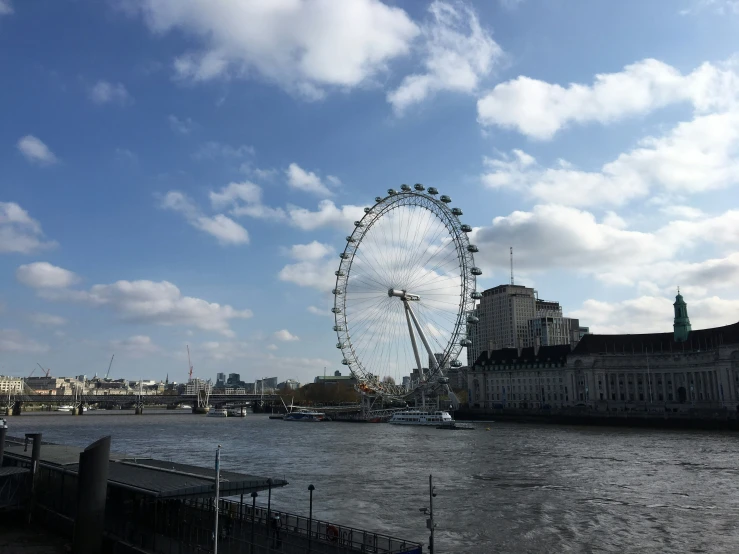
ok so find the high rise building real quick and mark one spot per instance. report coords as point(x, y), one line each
point(504, 313)
point(233, 379)
point(220, 378)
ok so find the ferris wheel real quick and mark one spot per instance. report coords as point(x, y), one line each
point(404, 294)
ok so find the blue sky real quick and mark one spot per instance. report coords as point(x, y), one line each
point(177, 173)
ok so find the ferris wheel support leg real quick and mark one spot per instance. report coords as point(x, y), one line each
point(432, 358)
point(413, 338)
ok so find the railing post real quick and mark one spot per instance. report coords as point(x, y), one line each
point(311, 488)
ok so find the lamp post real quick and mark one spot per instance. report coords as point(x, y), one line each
point(269, 507)
point(311, 488)
point(253, 517)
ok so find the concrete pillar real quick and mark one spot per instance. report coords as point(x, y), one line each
point(3, 432)
point(92, 490)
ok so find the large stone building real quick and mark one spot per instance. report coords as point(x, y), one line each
point(10, 385)
point(669, 372)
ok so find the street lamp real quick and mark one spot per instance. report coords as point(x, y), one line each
point(311, 488)
point(253, 511)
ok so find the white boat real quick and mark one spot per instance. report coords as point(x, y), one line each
point(218, 412)
point(304, 415)
point(421, 417)
point(236, 412)
point(64, 408)
point(185, 407)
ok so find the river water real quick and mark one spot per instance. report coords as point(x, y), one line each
point(512, 488)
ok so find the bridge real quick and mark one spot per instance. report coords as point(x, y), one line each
point(199, 402)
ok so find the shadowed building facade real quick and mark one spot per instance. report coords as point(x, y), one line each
point(671, 372)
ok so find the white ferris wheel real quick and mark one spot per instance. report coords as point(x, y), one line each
point(405, 292)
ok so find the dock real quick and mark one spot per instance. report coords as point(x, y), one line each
point(164, 507)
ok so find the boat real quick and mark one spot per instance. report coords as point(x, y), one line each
point(421, 417)
point(185, 407)
point(454, 426)
point(218, 412)
point(304, 415)
point(236, 412)
point(64, 408)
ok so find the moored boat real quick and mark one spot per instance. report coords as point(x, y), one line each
point(218, 412)
point(421, 417)
point(304, 415)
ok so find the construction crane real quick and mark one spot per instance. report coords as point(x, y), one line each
point(109, 366)
point(47, 372)
point(189, 364)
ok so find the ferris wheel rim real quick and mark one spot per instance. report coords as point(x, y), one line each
point(457, 233)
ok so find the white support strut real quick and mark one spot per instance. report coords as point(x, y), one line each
point(413, 339)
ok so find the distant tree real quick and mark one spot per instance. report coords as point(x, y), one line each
point(388, 379)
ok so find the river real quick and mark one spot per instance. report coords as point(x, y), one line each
point(512, 488)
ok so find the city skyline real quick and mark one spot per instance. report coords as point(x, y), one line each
point(168, 179)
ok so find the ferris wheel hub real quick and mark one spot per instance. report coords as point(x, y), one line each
point(405, 295)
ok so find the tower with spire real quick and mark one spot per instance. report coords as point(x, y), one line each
point(682, 321)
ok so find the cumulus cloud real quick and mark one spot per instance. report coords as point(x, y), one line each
point(159, 303)
point(314, 267)
point(327, 215)
point(307, 181)
point(539, 109)
point(245, 199)
point(182, 126)
point(104, 92)
point(654, 314)
point(223, 228)
point(19, 232)
point(6, 7)
point(12, 340)
point(285, 336)
point(457, 54)
point(137, 346)
point(695, 156)
point(303, 46)
point(40, 275)
point(36, 151)
point(50, 320)
point(719, 7)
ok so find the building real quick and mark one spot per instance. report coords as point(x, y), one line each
point(268, 383)
point(288, 384)
point(196, 385)
point(678, 371)
point(503, 314)
point(10, 385)
point(336, 378)
point(220, 379)
point(233, 379)
point(549, 330)
point(577, 331)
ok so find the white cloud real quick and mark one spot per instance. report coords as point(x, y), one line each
point(137, 346)
point(12, 340)
point(327, 215)
point(160, 303)
point(213, 150)
point(182, 126)
point(223, 228)
point(245, 199)
point(104, 92)
point(126, 156)
point(457, 54)
point(654, 314)
point(285, 336)
point(307, 181)
point(539, 109)
point(19, 232)
point(682, 212)
point(272, 347)
point(47, 319)
point(40, 275)
point(303, 46)
point(314, 268)
point(36, 151)
point(319, 311)
point(312, 251)
point(719, 7)
point(6, 7)
point(695, 156)
point(510, 4)
point(334, 180)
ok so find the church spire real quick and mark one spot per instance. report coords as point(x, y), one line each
point(682, 321)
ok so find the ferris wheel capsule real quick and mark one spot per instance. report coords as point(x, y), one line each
point(378, 198)
point(472, 248)
point(344, 256)
point(392, 192)
point(432, 190)
point(367, 210)
point(336, 310)
point(419, 187)
point(444, 198)
point(465, 228)
point(358, 224)
point(473, 319)
point(405, 188)
point(455, 363)
point(476, 271)
point(475, 295)
point(339, 273)
point(465, 342)
point(337, 292)
point(456, 211)
point(350, 239)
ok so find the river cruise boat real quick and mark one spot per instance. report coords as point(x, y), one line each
point(218, 412)
point(304, 415)
point(421, 417)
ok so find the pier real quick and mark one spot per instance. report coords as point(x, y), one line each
point(163, 507)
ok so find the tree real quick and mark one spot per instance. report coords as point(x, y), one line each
point(388, 379)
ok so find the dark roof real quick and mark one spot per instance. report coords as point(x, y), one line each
point(701, 339)
point(545, 354)
point(157, 478)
